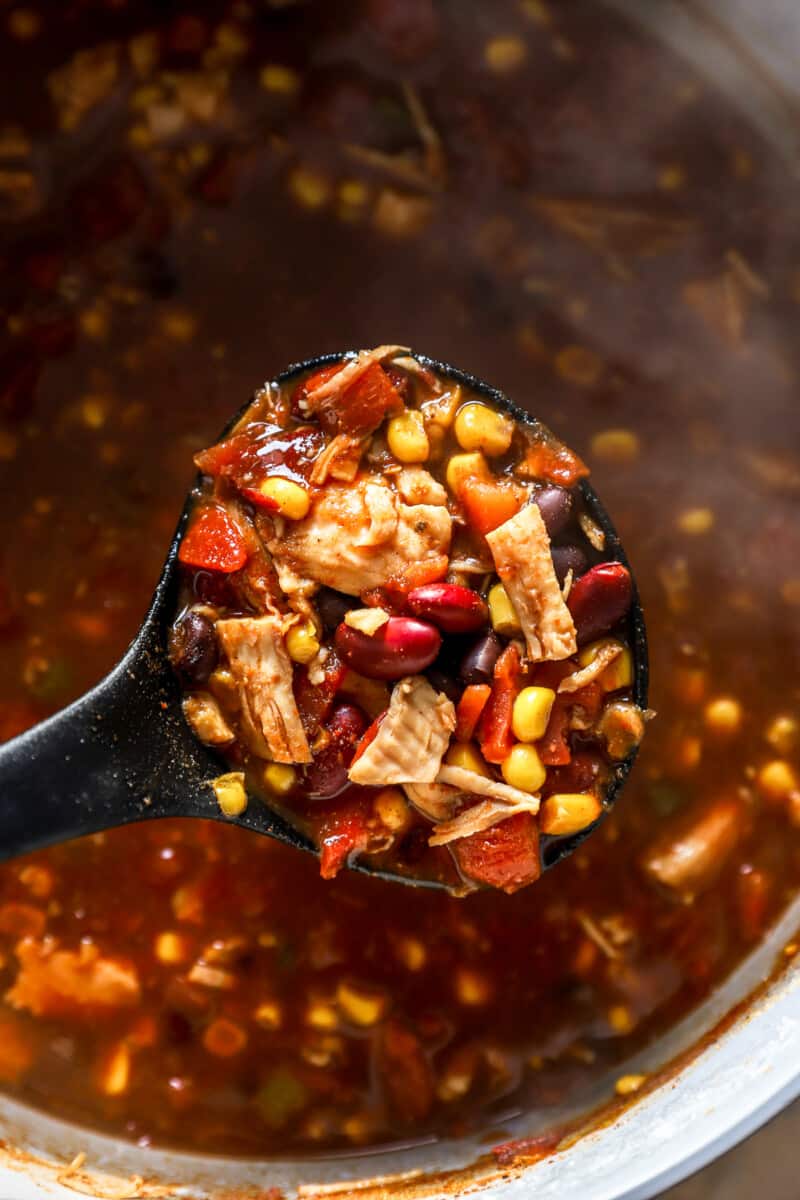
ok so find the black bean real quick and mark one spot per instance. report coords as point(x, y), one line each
point(193, 648)
point(555, 505)
point(332, 606)
point(443, 682)
point(477, 665)
point(566, 558)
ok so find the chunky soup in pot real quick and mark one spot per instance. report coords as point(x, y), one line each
point(188, 200)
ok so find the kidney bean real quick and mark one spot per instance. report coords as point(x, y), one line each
point(600, 599)
point(477, 665)
point(452, 608)
point(326, 777)
point(403, 646)
point(569, 558)
point(555, 505)
point(332, 607)
point(193, 648)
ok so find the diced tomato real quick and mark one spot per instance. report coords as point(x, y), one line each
point(405, 1071)
point(494, 729)
point(418, 574)
point(554, 749)
point(505, 856)
point(553, 462)
point(224, 456)
point(343, 832)
point(359, 408)
point(369, 737)
point(489, 503)
point(589, 700)
point(213, 541)
point(469, 709)
point(315, 700)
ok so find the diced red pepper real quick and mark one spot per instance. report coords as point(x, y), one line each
point(505, 856)
point(369, 737)
point(343, 832)
point(494, 729)
point(489, 503)
point(553, 462)
point(554, 749)
point(469, 709)
point(213, 541)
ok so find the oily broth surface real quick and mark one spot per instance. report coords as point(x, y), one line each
point(579, 250)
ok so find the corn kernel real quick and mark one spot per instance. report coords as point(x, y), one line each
point(671, 177)
point(462, 467)
point(616, 446)
point(412, 953)
point(472, 988)
point(115, 1071)
point(302, 643)
point(620, 1019)
point(268, 1015)
point(505, 54)
point(568, 812)
point(406, 437)
point(171, 947)
point(468, 758)
point(619, 673)
point(391, 809)
point(777, 781)
point(502, 613)
point(783, 733)
point(579, 365)
point(361, 1006)
point(685, 754)
point(320, 1015)
point(626, 1085)
point(478, 427)
point(275, 77)
point(230, 792)
point(279, 778)
point(292, 500)
point(696, 521)
point(690, 685)
point(523, 768)
point(309, 188)
point(723, 716)
point(531, 713)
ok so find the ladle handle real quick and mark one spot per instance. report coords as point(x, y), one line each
point(120, 753)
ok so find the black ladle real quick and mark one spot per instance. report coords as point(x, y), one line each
point(124, 753)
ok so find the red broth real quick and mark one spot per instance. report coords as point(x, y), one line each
point(534, 192)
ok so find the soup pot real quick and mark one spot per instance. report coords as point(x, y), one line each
point(726, 1069)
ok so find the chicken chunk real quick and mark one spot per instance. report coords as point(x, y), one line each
point(521, 551)
point(263, 674)
point(479, 785)
point(207, 720)
point(689, 855)
point(361, 535)
point(80, 983)
point(411, 739)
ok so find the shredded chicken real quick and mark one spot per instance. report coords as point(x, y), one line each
point(339, 460)
point(411, 739)
point(359, 536)
point(79, 983)
point(435, 801)
point(417, 486)
point(207, 720)
point(521, 551)
point(480, 785)
point(691, 852)
point(263, 673)
point(579, 679)
point(349, 373)
point(479, 818)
